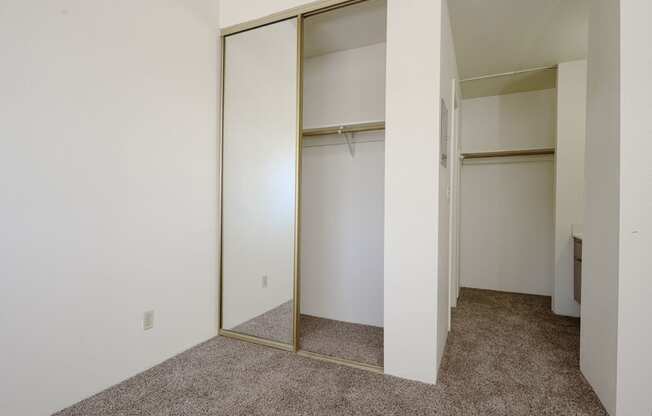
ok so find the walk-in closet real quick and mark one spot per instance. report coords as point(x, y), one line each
point(303, 161)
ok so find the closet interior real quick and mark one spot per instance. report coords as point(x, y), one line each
point(520, 183)
point(507, 182)
point(342, 183)
point(303, 183)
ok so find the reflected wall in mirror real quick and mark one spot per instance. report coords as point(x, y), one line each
point(259, 151)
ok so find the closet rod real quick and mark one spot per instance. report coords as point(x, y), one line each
point(507, 153)
point(349, 128)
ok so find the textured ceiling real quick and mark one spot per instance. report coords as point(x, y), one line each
point(497, 36)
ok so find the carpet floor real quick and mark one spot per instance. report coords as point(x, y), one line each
point(274, 325)
point(506, 355)
point(356, 342)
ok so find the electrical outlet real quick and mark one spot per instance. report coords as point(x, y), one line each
point(148, 320)
point(264, 282)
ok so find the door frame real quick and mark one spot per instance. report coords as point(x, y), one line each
point(454, 201)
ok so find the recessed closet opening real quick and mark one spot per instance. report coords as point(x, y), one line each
point(517, 172)
point(342, 183)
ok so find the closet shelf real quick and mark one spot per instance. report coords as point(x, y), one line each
point(342, 129)
point(508, 153)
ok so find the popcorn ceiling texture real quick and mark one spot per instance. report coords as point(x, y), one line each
point(507, 354)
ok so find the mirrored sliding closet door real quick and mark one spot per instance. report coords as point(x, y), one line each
point(259, 155)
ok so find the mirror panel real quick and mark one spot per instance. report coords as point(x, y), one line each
point(259, 145)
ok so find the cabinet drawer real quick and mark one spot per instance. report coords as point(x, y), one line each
point(577, 249)
point(577, 279)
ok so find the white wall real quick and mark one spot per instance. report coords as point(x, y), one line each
point(342, 230)
point(345, 87)
point(507, 204)
point(412, 189)
point(259, 175)
point(601, 205)
point(108, 193)
point(634, 284)
point(569, 179)
point(523, 120)
point(507, 224)
point(342, 196)
point(447, 75)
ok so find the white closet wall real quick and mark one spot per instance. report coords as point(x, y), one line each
point(513, 121)
point(343, 196)
point(342, 233)
point(344, 87)
point(507, 204)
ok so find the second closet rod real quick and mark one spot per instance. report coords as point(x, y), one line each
point(348, 128)
point(508, 153)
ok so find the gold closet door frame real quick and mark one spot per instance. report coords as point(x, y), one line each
point(221, 330)
point(300, 13)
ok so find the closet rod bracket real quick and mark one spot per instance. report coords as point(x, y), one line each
point(349, 143)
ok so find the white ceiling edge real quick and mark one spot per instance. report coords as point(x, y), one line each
point(497, 36)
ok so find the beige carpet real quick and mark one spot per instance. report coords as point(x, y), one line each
point(274, 325)
point(506, 355)
point(355, 342)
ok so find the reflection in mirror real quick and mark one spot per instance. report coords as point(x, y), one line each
point(259, 146)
